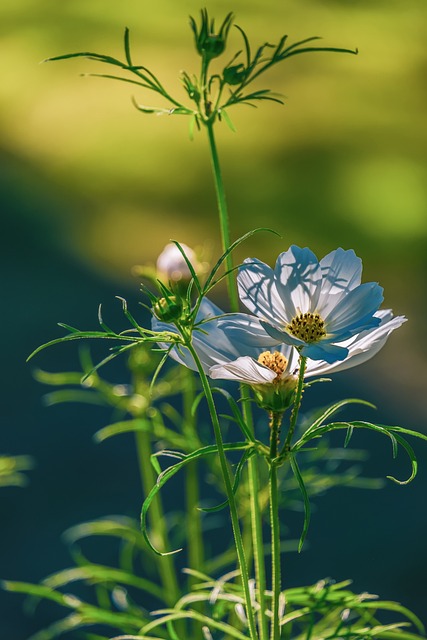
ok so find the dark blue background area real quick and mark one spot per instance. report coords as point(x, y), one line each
point(377, 538)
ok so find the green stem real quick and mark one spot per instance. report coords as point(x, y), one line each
point(296, 406)
point(275, 422)
point(223, 217)
point(256, 519)
point(157, 521)
point(256, 522)
point(229, 493)
point(194, 526)
point(207, 107)
point(275, 553)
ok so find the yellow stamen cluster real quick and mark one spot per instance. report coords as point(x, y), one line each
point(275, 361)
point(307, 326)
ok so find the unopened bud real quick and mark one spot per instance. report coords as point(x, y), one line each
point(172, 265)
point(208, 43)
point(168, 309)
point(235, 74)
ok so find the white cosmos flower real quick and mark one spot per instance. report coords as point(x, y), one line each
point(314, 306)
point(360, 348)
point(236, 347)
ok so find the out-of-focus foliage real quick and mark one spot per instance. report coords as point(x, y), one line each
point(11, 470)
point(325, 609)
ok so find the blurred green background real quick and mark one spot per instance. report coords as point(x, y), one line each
point(90, 186)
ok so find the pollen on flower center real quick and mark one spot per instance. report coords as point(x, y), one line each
point(275, 361)
point(307, 326)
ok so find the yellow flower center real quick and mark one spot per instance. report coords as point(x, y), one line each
point(275, 361)
point(307, 326)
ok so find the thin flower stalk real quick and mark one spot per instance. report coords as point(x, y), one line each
point(255, 515)
point(256, 522)
point(223, 217)
point(229, 493)
point(275, 422)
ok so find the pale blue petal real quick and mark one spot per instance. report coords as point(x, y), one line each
point(299, 280)
point(361, 347)
point(342, 272)
point(324, 351)
point(214, 345)
point(258, 292)
point(249, 337)
point(246, 333)
point(282, 336)
point(355, 309)
point(208, 309)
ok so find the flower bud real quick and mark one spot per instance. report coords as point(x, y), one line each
point(171, 264)
point(208, 43)
point(168, 309)
point(235, 74)
point(191, 87)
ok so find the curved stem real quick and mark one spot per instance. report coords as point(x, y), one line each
point(229, 493)
point(157, 523)
point(275, 422)
point(223, 217)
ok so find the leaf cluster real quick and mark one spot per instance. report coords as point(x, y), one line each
point(320, 427)
point(210, 95)
point(324, 610)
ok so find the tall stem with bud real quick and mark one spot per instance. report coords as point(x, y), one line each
point(256, 516)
